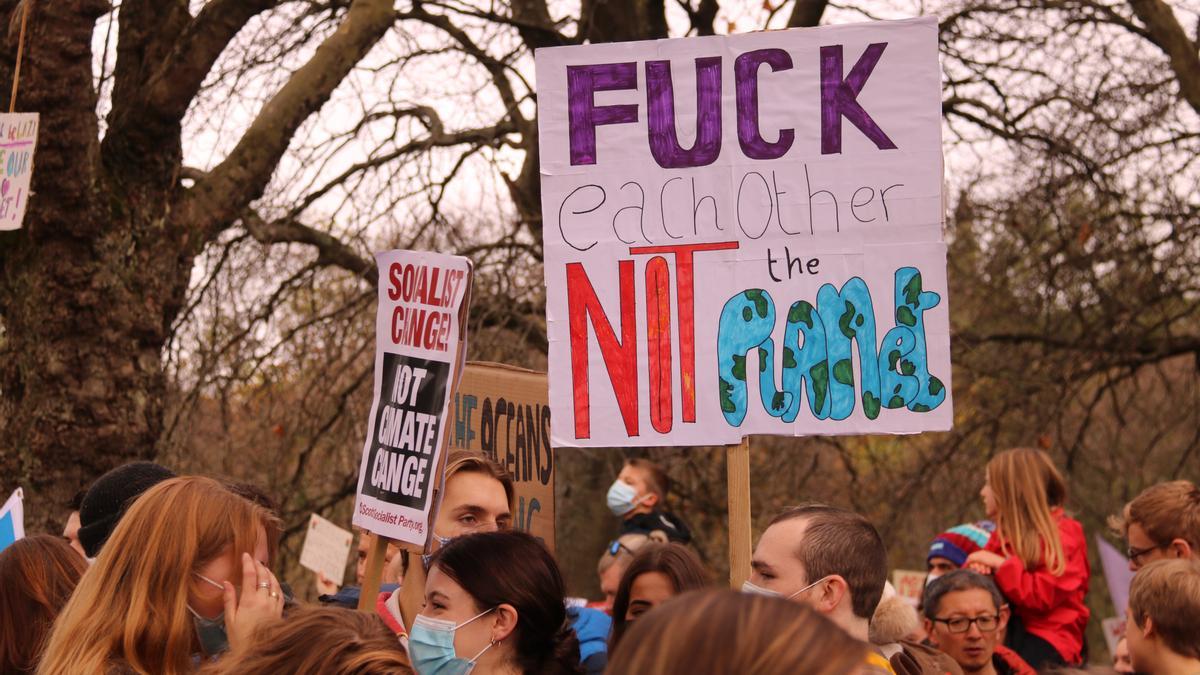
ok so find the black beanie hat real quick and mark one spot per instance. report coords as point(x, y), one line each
point(107, 499)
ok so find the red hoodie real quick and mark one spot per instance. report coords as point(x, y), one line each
point(1051, 607)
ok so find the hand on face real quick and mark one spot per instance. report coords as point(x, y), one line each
point(260, 602)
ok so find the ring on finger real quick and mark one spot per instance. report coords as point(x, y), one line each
point(264, 584)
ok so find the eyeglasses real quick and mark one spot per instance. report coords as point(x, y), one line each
point(986, 624)
point(1134, 553)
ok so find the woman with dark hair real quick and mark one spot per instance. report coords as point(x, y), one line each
point(37, 576)
point(658, 573)
point(494, 603)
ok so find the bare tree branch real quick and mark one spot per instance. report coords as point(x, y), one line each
point(1161, 23)
point(807, 13)
point(175, 83)
point(238, 180)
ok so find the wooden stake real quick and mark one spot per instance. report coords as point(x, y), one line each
point(376, 554)
point(12, 101)
point(737, 474)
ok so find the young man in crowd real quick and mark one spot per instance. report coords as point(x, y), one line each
point(1163, 624)
point(1162, 523)
point(965, 617)
point(639, 496)
point(834, 561)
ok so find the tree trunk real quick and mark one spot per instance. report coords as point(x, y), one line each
point(89, 287)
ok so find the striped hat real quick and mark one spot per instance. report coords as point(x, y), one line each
point(961, 541)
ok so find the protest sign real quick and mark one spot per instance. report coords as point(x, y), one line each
point(910, 585)
point(18, 138)
point(420, 334)
point(743, 235)
point(504, 412)
point(326, 547)
point(1114, 630)
point(12, 519)
point(1117, 575)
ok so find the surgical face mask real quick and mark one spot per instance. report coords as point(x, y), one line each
point(211, 632)
point(431, 646)
point(441, 542)
point(622, 498)
point(753, 589)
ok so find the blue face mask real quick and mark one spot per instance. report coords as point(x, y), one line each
point(622, 498)
point(210, 632)
point(431, 646)
point(441, 541)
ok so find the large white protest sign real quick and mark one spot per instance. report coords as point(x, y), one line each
point(419, 336)
point(326, 547)
point(18, 138)
point(12, 519)
point(743, 235)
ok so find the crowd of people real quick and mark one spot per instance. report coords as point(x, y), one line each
point(158, 573)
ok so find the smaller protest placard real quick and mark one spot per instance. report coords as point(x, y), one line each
point(420, 337)
point(910, 585)
point(326, 547)
point(12, 519)
point(504, 412)
point(18, 138)
point(1114, 630)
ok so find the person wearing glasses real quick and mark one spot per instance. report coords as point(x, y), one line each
point(965, 617)
point(1161, 523)
point(614, 562)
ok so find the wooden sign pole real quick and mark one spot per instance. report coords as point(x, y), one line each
point(737, 475)
point(376, 554)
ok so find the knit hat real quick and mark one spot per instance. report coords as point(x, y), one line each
point(107, 499)
point(961, 541)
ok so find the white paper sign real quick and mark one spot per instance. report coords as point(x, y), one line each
point(12, 519)
point(326, 547)
point(18, 138)
point(418, 339)
point(743, 235)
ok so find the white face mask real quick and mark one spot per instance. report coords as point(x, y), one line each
point(752, 589)
point(622, 498)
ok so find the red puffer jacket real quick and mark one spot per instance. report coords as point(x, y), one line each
point(1052, 607)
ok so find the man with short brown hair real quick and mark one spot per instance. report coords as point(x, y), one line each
point(1162, 523)
point(835, 561)
point(1163, 624)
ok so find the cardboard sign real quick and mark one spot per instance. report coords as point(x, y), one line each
point(326, 547)
point(503, 412)
point(910, 585)
point(420, 336)
point(743, 235)
point(12, 519)
point(18, 138)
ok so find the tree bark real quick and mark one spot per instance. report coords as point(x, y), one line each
point(90, 288)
